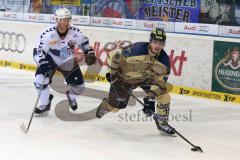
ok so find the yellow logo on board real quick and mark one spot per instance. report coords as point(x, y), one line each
point(66, 2)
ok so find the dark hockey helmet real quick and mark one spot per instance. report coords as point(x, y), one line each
point(158, 34)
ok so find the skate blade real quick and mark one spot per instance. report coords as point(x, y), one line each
point(167, 135)
point(41, 115)
point(73, 111)
point(101, 114)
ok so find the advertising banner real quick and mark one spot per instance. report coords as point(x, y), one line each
point(226, 67)
point(15, 16)
point(150, 25)
point(196, 28)
point(37, 17)
point(168, 10)
point(66, 2)
point(229, 31)
point(101, 21)
point(124, 23)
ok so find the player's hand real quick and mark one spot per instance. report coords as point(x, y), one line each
point(149, 106)
point(111, 77)
point(45, 67)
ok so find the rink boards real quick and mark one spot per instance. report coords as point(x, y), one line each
point(193, 58)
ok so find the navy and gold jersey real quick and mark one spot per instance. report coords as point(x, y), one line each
point(135, 64)
point(142, 49)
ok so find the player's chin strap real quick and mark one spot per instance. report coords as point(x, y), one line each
point(195, 148)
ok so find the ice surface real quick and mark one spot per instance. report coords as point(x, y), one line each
point(213, 125)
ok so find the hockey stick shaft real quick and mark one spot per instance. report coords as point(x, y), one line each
point(156, 115)
point(35, 106)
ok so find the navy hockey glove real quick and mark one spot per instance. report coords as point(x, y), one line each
point(111, 77)
point(45, 67)
point(149, 106)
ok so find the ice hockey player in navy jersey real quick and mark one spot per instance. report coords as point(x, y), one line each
point(145, 65)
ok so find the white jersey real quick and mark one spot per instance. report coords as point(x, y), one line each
point(60, 50)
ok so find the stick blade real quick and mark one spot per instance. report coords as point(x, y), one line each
point(200, 149)
point(23, 128)
point(197, 149)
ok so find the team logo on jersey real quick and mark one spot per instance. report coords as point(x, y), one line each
point(64, 53)
point(227, 71)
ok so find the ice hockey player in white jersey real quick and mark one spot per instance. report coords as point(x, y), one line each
point(55, 51)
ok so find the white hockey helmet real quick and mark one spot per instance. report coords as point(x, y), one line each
point(63, 13)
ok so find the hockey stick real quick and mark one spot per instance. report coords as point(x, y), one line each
point(195, 148)
point(23, 127)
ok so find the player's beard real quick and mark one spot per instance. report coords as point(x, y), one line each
point(62, 34)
